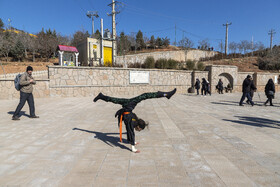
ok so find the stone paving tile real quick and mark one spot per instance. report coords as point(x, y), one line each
point(191, 141)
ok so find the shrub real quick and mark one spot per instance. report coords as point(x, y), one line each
point(149, 62)
point(172, 64)
point(200, 66)
point(135, 65)
point(190, 64)
point(161, 63)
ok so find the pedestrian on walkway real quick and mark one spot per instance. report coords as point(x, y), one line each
point(252, 90)
point(220, 86)
point(246, 88)
point(26, 83)
point(130, 119)
point(208, 88)
point(203, 86)
point(197, 86)
point(269, 91)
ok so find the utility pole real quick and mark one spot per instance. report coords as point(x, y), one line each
point(252, 46)
point(10, 27)
point(92, 14)
point(226, 42)
point(114, 32)
point(175, 35)
point(271, 32)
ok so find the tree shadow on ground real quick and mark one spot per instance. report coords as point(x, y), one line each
point(109, 140)
point(21, 113)
point(256, 121)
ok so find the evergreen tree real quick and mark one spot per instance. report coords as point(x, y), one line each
point(139, 40)
point(152, 41)
point(97, 34)
point(159, 42)
point(1, 24)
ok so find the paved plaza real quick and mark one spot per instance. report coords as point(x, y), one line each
point(191, 141)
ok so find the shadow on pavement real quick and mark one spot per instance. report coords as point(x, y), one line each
point(235, 103)
point(255, 121)
point(109, 140)
point(22, 113)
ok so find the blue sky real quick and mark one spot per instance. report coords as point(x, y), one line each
point(200, 19)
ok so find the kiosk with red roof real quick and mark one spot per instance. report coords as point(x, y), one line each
point(68, 55)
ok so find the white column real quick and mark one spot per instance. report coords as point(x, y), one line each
point(61, 57)
point(101, 44)
point(76, 61)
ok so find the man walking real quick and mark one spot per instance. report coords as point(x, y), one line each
point(220, 86)
point(26, 83)
point(246, 88)
point(197, 86)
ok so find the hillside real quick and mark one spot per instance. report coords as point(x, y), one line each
point(245, 64)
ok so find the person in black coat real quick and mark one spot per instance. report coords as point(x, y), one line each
point(220, 86)
point(252, 90)
point(269, 91)
point(197, 86)
point(203, 86)
point(246, 88)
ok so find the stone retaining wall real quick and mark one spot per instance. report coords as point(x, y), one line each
point(8, 91)
point(89, 81)
point(35, 74)
point(192, 54)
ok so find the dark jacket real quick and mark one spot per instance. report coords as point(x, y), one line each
point(204, 84)
point(247, 85)
point(197, 84)
point(269, 87)
point(220, 85)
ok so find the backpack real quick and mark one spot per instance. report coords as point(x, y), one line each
point(16, 81)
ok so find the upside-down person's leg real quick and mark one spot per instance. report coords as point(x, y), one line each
point(115, 100)
point(151, 95)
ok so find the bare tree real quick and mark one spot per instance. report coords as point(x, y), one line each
point(259, 46)
point(8, 43)
point(221, 46)
point(204, 44)
point(232, 47)
point(47, 43)
point(132, 40)
point(246, 45)
point(79, 37)
point(186, 43)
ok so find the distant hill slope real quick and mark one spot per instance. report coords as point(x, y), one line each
point(245, 64)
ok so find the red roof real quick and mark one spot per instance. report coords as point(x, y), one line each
point(67, 48)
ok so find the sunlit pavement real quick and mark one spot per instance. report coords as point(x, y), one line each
point(191, 141)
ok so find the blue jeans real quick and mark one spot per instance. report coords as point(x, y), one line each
point(248, 97)
point(30, 100)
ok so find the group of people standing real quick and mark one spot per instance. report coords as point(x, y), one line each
point(205, 87)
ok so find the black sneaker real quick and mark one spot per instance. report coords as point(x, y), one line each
point(16, 118)
point(99, 96)
point(170, 94)
point(241, 105)
point(34, 116)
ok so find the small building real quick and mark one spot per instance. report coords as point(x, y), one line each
point(90, 52)
point(68, 55)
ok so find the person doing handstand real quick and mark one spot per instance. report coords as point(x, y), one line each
point(130, 119)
